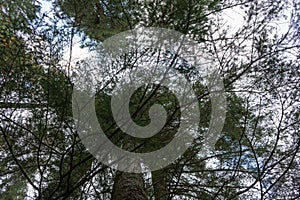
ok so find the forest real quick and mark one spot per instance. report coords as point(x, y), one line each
point(150, 99)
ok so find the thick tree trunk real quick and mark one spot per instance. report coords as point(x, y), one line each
point(129, 186)
point(159, 181)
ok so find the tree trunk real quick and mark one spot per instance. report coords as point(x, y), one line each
point(159, 181)
point(128, 186)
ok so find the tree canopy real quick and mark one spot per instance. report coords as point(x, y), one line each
point(256, 155)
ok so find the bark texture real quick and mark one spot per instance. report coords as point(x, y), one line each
point(159, 181)
point(129, 186)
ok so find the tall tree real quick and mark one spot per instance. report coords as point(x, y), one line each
point(257, 154)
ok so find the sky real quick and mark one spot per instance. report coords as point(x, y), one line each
point(233, 19)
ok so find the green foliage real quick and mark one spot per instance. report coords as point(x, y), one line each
point(19, 13)
point(188, 17)
point(257, 154)
point(100, 19)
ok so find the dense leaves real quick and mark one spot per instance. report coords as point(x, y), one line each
point(257, 154)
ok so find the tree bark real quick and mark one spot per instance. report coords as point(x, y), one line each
point(128, 186)
point(159, 181)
